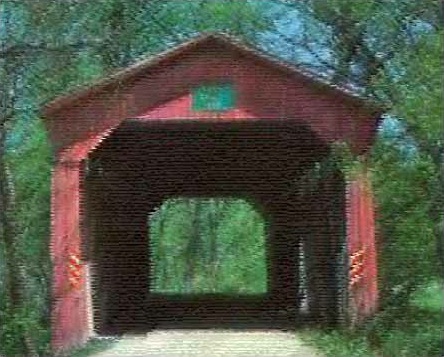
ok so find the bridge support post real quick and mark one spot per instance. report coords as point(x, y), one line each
point(69, 312)
point(361, 247)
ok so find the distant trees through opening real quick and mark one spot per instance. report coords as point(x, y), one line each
point(207, 246)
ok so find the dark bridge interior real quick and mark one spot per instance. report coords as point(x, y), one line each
point(271, 163)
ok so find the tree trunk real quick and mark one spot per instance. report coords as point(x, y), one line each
point(191, 254)
point(437, 213)
point(213, 221)
point(15, 279)
point(161, 267)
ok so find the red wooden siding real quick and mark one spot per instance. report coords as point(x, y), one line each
point(162, 92)
point(263, 93)
point(69, 310)
point(361, 235)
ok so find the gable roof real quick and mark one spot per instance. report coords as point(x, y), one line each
point(194, 44)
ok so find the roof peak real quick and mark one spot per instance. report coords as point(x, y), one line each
point(191, 44)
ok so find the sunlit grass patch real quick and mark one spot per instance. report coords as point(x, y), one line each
point(338, 343)
point(431, 297)
point(414, 332)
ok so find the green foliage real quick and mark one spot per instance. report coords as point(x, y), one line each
point(393, 50)
point(236, 17)
point(338, 343)
point(26, 322)
point(31, 164)
point(417, 94)
point(342, 157)
point(208, 246)
point(408, 243)
point(430, 297)
point(408, 172)
point(415, 332)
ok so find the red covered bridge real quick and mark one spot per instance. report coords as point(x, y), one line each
point(211, 117)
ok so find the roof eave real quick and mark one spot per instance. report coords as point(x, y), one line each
point(51, 108)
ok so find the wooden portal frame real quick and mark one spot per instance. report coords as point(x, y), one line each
point(209, 159)
point(158, 89)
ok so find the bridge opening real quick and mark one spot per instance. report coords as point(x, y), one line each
point(210, 246)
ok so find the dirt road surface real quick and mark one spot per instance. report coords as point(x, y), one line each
point(209, 343)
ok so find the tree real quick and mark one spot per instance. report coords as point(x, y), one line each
point(377, 47)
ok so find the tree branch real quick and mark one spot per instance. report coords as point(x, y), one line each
point(19, 49)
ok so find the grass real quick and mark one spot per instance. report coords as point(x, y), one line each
point(338, 343)
point(93, 346)
point(430, 298)
point(417, 332)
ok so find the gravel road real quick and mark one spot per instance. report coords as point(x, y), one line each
point(209, 343)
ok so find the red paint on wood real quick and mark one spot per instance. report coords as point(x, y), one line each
point(361, 236)
point(263, 93)
point(163, 93)
point(69, 319)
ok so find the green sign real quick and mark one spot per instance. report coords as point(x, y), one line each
point(213, 97)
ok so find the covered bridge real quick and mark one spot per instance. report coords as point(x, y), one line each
point(212, 117)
